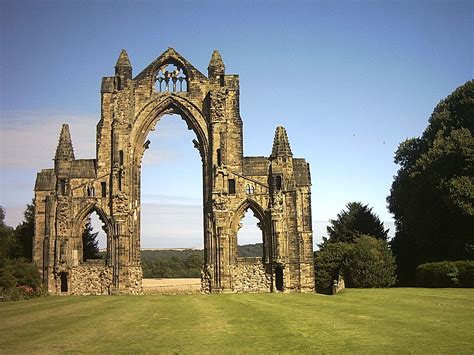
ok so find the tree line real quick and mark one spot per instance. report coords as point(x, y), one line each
point(432, 201)
point(19, 277)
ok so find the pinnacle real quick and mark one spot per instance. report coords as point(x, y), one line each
point(216, 63)
point(281, 146)
point(65, 149)
point(123, 60)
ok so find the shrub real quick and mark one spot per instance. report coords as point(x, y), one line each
point(446, 274)
point(370, 263)
point(328, 261)
point(466, 272)
point(19, 280)
point(366, 263)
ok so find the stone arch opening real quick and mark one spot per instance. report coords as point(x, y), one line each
point(251, 273)
point(150, 115)
point(94, 238)
point(249, 236)
point(92, 221)
point(231, 184)
point(258, 216)
point(146, 122)
point(171, 202)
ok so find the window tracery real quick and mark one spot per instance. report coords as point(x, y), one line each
point(171, 78)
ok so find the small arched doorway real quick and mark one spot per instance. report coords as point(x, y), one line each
point(64, 285)
point(279, 278)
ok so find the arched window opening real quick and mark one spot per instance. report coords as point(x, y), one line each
point(62, 187)
point(119, 83)
point(278, 182)
point(103, 188)
point(90, 190)
point(250, 237)
point(171, 220)
point(249, 189)
point(94, 239)
point(231, 183)
point(219, 157)
point(171, 78)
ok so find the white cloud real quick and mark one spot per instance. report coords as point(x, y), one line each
point(29, 139)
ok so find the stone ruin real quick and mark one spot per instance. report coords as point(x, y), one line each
point(276, 188)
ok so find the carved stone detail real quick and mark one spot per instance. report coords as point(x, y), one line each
point(218, 105)
point(270, 186)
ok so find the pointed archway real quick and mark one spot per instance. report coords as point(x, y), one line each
point(276, 188)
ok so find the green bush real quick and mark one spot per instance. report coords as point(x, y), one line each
point(466, 272)
point(446, 274)
point(328, 261)
point(19, 280)
point(366, 263)
point(370, 263)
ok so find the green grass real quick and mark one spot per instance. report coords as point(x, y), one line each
point(369, 321)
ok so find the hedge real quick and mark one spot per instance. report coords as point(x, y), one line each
point(446, 274)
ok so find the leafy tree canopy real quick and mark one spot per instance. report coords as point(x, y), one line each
point(24, 233)
point(357, 220)
point(6, 237)
point(432, 195)
point(90, 243)
point(367, 262)
point(17, 243)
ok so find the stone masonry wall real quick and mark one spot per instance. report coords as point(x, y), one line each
point(249, 275)
point(136, 276)
point(90, 278)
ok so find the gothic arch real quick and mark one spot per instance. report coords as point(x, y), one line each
point(78, 228)
point(232, 184)
point(247, 204)
point(87, 211)
point(151, 113)
point(262, 216)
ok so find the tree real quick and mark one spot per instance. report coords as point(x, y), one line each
point(367, 262)
point(18, 243)
point(357, 220)
point(328, 262)
point(370, 263)
point(432, 195)
point(6, 237)
point(24, 233)
point(90, 243)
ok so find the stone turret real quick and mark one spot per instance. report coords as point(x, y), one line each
point(123, 68)
point(64, 152)
point(216, 65)
point(281, 146)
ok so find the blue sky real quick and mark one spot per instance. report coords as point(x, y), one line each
point(349, 80)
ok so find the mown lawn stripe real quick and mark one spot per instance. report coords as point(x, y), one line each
point(368, 321)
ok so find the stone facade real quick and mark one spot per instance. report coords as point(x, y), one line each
point(275, 188)
point(251, 275)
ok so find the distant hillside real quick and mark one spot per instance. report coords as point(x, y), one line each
point(250, 250)
point(163, 254)
point(182, 263)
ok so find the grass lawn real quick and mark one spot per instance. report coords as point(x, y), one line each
point(370, 321)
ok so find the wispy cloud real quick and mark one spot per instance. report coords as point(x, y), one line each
point(29, 139)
